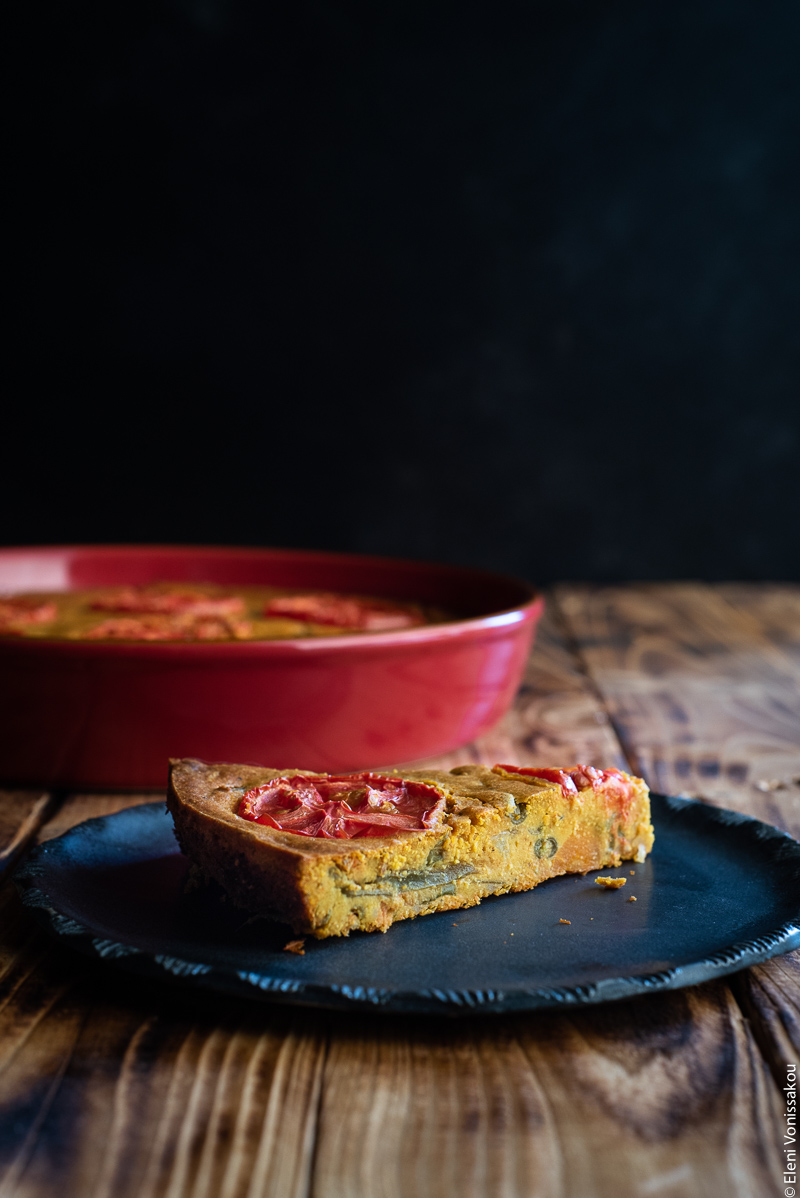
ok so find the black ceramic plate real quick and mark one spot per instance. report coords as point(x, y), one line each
point(719, 892)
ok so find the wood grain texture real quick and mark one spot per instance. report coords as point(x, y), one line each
point(22, 814)
point(666, 1095)
point(114, 1088)
point(770, 996)
point(679, 1080)
point(704, 701)
point(776, 609)
point(703, 687)
point(448, 1109)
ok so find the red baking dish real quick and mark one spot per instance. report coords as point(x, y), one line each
point(109, 714)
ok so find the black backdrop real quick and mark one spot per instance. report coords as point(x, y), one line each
point(510, 285)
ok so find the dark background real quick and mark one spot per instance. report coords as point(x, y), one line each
point(510, 285)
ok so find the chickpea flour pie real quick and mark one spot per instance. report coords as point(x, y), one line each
point(169, 611)
point(330, 854)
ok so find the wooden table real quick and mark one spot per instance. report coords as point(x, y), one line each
point(116, 1087)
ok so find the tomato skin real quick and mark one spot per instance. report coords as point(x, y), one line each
point(128, 628)
point(18, 614)
point(178, 627)
point(343, 806)
point(574, 778)
point(177, 600)
point(369, 615)
point(561, 778)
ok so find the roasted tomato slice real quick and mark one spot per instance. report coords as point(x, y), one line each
point(343, 806)
point(185, 627)
point(176, 600)
point(18, 614)
point(129, 628)
point(574, 778)
point(370, 615)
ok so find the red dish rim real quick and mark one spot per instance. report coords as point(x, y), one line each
point(469, 627)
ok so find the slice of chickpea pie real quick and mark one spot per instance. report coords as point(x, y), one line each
point(332, 853)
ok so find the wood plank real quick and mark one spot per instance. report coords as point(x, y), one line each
point(770, 996)
point(679, 1080)
point(118, 1088)
point(447, 1109)
point(703, 688)
point(666, 1095)
point(22, 814)
point(775, 607)
point(704, 702)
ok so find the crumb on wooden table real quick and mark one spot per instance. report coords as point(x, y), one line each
point(295, 946)
point(611, 883)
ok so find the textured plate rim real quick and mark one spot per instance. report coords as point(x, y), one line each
point(263, 987)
